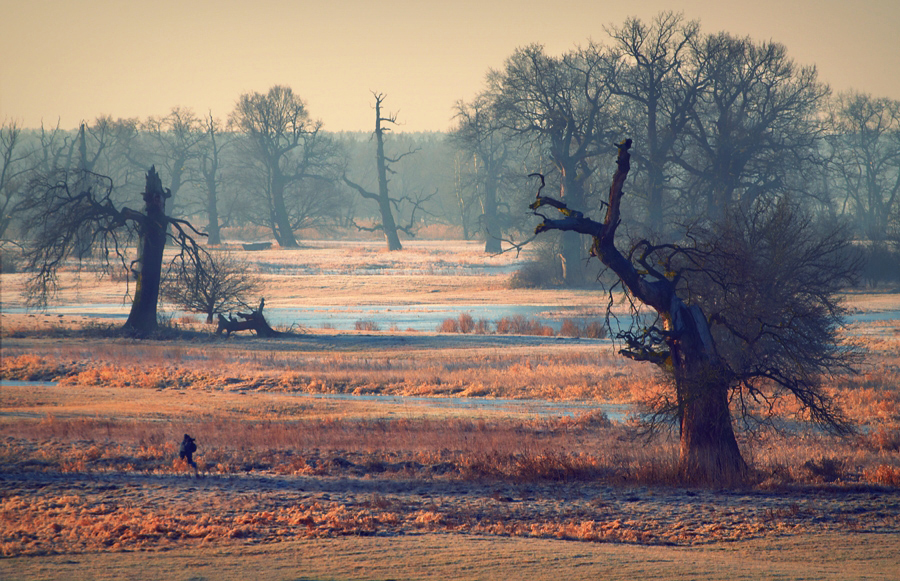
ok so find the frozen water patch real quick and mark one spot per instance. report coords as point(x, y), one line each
point(412, 404)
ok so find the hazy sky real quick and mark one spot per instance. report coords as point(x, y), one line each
point(77, 59)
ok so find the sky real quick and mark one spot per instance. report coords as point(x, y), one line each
point(71, 60)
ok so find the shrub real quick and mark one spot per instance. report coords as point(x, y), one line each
point(884, 439)
point(218, 283)
point(882, 264)
point(466, 323)
point(590, 330)
point(482, 327)
point(519, 325)
point(569, 328)
point(825, 469)
point(533, 275)
point(594, 330)
point(366, 326)
point(883, 474)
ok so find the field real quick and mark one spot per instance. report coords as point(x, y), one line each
point(381, 451)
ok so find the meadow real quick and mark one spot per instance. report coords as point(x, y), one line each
point(331, 440)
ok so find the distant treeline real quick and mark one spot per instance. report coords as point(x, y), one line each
point(719, 122)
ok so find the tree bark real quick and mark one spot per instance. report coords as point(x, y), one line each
point(142, 319)
point(708, 452)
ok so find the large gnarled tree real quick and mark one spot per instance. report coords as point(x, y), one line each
point(746, 313)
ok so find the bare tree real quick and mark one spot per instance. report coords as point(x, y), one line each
point(209, 155)
point(386, 204)
point(562, 105)
point(480, 134)
point(864, 135)
point(291, 149)
point(72, 215)
point(13, 171)
point(219, 283)
point(755, 123)
point(176, 140)
point(57, 148)
point(109, 147)
point(650, 68)
point(745, 310)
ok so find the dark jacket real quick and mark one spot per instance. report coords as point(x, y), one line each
point(188, 446)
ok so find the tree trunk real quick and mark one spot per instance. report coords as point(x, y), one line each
point(572, 253)
point(174, 186)
point(655, 171)
point(212, 212)
point(571, 258)
point(253, 321)
point(655, 181)
point(209, 167)
point(492, 230)
point(285, 234)
point(384, 201)
point(142, 320)
point(709, 452)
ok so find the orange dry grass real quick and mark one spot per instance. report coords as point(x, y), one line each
point(39, 526)
point(154, 502)
point(559, 449)
point(556, 375)
point(585, 448)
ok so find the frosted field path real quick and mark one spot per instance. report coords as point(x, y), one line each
point(444, 557)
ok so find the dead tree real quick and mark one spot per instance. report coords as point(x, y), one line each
point(253, 321)
point(147, 268)
point(72, 215)
point(386, 204)
point(743, 314)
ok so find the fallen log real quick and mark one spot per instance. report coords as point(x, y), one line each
point(256, 245)
point(253, 321)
